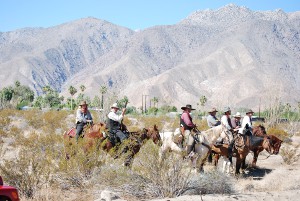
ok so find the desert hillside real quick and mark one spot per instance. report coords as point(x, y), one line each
point(233, 55)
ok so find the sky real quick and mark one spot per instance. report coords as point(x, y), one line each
point(133, 14)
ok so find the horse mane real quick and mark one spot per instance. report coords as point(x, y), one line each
point(213, 130)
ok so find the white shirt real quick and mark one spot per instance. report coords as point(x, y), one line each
point(224, 122)
point(113, 116)
point(246, 120)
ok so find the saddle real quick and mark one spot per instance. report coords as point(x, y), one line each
point(239, 142)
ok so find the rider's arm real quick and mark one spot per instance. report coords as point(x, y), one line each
point(246, 120)
point(224, 121)
point(211, 121)
point(79, 116)
point(89, 117)
point(115, 117)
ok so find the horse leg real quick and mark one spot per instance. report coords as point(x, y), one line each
point(216, 159)
point(210, 157)
point(238, 166)
point(224, 164)
point(255, 153)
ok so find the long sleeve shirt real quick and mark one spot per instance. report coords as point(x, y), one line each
point(246, 120)
point(225, 121)
point(113, 116)
point(212, 121)
point(83, 117)
point(187, 120)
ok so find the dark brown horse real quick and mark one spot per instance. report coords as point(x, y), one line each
point(240, 152)
point(260, 131)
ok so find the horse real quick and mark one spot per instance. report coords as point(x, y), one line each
point(98, 134)
point(244, 143)
point(260, 131)
point(201, 148)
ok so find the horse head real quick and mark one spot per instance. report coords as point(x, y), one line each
point(151, 133)
point(275, 143)
point(259, 130)
point(267, 145)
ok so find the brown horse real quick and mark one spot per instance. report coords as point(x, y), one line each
point(97, 134)
point(240, 152)
point(260, 131)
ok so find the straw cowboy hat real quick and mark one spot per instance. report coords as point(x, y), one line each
point(188, 106)
point(249, 111)
point(213, 110)
point(226, 109)
point(115, 105)
point(238, 115)
point(83, 103)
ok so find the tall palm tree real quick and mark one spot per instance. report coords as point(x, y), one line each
point(155, 101)
point(72, 91)
point(103, 90)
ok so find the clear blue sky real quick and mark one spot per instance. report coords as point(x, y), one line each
point(134, 14)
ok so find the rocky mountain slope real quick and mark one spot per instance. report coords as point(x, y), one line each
point(234, 56)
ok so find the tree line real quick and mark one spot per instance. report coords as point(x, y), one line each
point(17, 96)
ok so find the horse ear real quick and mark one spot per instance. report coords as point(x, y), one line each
point(155, 127)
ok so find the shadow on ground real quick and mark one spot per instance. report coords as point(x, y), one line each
point(256, 173)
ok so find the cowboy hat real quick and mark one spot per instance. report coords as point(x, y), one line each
point(249, 111)
point(83, 103)
point(226, 109)
point(115, 105)
point(213, 110)
point(237, 115)
point(188, 106)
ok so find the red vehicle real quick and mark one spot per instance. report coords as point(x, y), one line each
point(8, 193)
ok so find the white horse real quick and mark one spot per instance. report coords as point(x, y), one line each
point(202, 148)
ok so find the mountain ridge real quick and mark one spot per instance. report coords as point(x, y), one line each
point(232, 55)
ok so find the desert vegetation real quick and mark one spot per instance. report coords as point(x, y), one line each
point(33, 158)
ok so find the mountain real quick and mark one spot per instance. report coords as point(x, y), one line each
point(233, 55)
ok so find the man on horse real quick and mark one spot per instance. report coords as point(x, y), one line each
point(236, 121)
point(212, 120)
point(247, 121)
point(115, 124)
point(186, 126)
point(83, 117)
point(226, 123)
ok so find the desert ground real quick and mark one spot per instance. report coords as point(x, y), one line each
point(272, 179)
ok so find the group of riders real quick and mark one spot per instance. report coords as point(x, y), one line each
point(231, 126)
point(118, 132)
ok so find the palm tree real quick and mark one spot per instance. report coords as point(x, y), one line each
point(103, 90)
point(82, 88)
point(72, 91)
point(17, 83)
point(155, 101)
point(203, 100)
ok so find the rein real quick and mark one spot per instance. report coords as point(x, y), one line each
point(198, 132)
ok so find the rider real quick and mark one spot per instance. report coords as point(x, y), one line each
point(236, 121)
point(186, 124)
point(247, 120)
point(115, 123)
point(212, 120)
point(83, 117)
